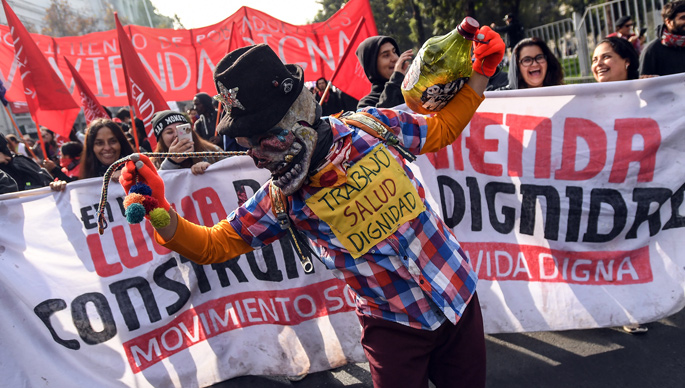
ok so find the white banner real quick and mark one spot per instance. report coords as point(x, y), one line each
point(568, 200)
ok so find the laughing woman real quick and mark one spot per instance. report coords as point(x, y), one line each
point(615, 59)
point(533, 65)
point(105, 144)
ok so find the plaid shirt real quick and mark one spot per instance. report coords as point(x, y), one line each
point(419, 276)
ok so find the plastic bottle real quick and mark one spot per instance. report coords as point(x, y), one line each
point(440, 69)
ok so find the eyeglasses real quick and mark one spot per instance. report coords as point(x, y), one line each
point(527, 61)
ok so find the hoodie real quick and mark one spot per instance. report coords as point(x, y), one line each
point(384, 93)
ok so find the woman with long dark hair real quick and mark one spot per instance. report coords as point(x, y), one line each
point(615, 59)
point(105, 144)
point(533, 65)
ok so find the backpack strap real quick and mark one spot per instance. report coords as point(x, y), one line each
point(376, 128)
point(279, 207)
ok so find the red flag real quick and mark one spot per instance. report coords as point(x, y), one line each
point(349, 74)
point(142, 92)
point(91, 106)
point(49, 100)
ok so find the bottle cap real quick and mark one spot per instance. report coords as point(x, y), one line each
point(468, 27)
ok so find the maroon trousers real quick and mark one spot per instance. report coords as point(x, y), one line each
point(451, 356)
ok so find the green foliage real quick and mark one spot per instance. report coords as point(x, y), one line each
point(411, 22)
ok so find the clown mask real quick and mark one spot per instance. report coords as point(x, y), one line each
point(286, 149)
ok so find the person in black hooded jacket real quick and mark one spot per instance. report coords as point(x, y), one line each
point(385, 67)
point(20, 173)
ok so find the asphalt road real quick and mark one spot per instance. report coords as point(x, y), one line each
point(597, 358)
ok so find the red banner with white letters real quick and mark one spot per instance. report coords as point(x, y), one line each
point(181, 62)
point(48, 100)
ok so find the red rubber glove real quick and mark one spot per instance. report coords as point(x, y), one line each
point(488, 55)
point(141, 166)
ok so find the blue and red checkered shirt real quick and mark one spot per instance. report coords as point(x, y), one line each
point(419, 276)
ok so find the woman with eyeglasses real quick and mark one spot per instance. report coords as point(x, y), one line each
point(533, 65)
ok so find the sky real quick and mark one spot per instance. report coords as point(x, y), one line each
point(200, 13)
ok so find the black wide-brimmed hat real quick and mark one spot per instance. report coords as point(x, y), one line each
point(256, 88)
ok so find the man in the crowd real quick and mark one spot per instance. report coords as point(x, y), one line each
point(332, 104)
point(513, 29)
point(624, 30)
point(123, 116)
point(385, 67)
point(206, 122)
point(666, 54)
point(415, 287)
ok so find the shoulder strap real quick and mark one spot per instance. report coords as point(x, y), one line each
point(376, 128)
point(279, 207)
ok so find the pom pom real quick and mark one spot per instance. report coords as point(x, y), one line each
point(150, 203)
point(135, 213)
point(141, 188)
point(159, 218)
point(132, 198)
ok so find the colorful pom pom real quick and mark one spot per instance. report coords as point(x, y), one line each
point(141, 188)
point(135, 213)
point(133, 198)
point(159, 218)
point(150, 203)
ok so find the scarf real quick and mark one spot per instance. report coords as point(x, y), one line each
point(672, 40)
point(320, 93)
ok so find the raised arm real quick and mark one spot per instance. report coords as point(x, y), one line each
point(445, 126)
point(201, 244)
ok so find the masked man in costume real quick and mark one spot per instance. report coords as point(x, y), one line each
point(335, 184)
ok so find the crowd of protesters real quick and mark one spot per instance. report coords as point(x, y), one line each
point(622, 55)
point(531, 64)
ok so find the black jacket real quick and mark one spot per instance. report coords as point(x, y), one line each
point(384, 93)
point(26, 173)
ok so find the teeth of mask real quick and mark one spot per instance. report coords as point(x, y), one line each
point(282, 165)
point(288, 175)
point(297, 168)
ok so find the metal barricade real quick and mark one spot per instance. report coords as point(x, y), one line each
point(573, 40)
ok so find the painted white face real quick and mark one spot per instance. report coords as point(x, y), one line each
point(287, 149)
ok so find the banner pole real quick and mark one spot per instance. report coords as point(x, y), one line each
point(40, 139)
point(135, 129)
point(21, 135)
point(344, 56)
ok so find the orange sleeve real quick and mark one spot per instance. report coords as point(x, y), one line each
point(205, 245)
point(445, 126)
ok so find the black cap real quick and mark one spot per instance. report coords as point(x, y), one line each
point(256, 88)
point(620, 22)
point(164, 118)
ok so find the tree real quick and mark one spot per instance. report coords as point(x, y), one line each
point(411, 22)
point(61, 20)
